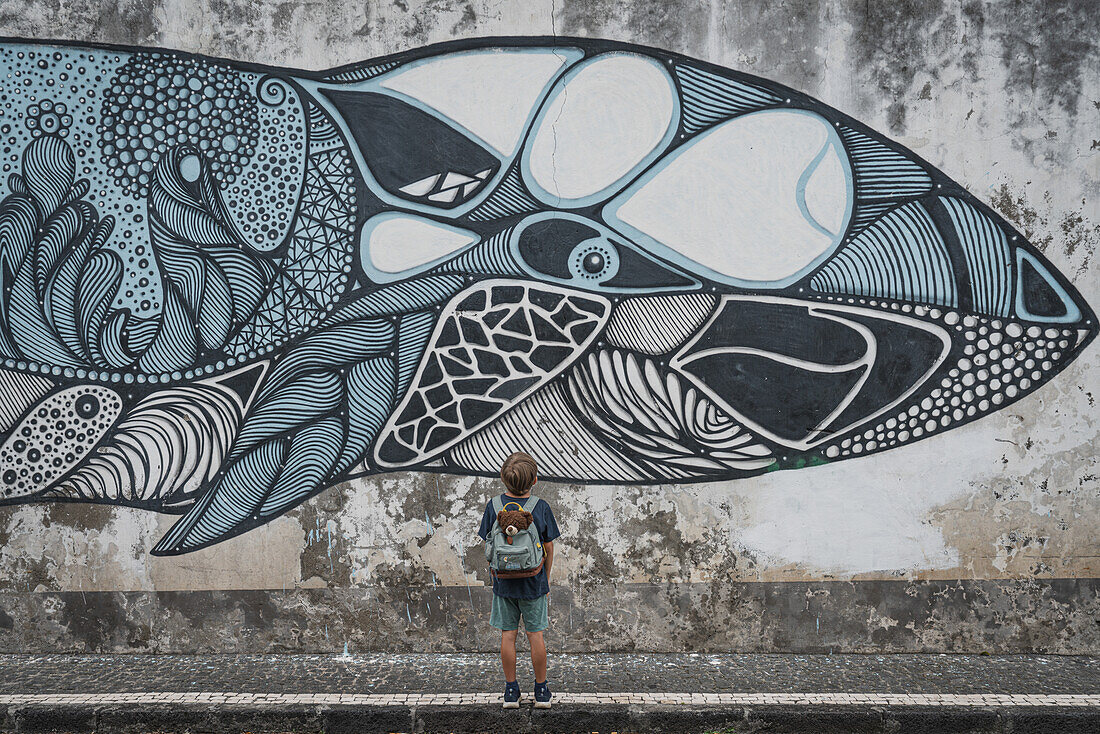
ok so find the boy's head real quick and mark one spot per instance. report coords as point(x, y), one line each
point(519, 473)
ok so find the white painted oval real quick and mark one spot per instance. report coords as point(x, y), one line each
point(491, 92)
point(396, 244)
point(607, 119)
point(756, 200)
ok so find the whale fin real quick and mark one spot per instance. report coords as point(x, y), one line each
point(494, 344)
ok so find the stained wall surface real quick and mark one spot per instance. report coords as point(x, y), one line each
point(979, 539)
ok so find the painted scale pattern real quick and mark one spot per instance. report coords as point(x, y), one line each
point(227, 287)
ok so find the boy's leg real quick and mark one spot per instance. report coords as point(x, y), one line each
point(538, 655)
point(505, 617)
point(508, 654)
point(536, 618)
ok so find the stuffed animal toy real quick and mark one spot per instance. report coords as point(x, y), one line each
point(512, 521)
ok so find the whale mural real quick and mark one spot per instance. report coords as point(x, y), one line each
point(227, 287)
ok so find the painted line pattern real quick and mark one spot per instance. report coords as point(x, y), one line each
point(480, 699)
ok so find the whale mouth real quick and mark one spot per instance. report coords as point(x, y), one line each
point(748, 381)
point(799, 373)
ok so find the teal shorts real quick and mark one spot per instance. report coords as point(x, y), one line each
point(506, 613)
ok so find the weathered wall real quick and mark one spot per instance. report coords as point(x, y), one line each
point(980, 539)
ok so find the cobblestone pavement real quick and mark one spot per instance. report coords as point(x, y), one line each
point(460, 694)
point(949, 676)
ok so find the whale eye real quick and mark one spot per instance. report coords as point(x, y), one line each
point(581, 252)
point(593, 262)
point(569, 250)
point(595, 259)
point(545, 245)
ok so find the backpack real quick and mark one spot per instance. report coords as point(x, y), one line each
point(518, 556)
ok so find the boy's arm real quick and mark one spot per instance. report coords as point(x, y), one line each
point(548, 549)
point(486, 523)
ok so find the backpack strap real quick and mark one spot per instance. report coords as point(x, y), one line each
point(529, 506)
point(498, 505)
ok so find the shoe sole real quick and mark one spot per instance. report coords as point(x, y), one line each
point(511, 704)
point(542, 704)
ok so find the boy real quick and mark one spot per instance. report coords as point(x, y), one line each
point(523, 597)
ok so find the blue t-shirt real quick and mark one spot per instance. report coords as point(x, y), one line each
point(534, 586)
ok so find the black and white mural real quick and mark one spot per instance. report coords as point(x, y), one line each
point(227, 287)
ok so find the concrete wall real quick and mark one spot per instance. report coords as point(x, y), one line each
point(980, 539)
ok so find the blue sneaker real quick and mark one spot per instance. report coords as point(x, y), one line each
point(511, 695)
point(542, 696)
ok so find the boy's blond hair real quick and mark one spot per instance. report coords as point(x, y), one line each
point(518, 473)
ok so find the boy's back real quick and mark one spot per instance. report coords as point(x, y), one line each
point(531, 587)
point(522, 598)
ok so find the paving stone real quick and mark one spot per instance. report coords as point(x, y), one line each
point(479, 673)
point(895, 694)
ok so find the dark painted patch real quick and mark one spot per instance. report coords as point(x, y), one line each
point(783, 328)
point(1046, 47)
point(903, 355)
point(391, 134)
point(886, 49)
point(1040, 298)
point(1055, 617)
point(787, 400)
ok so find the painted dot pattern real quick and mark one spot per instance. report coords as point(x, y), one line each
point(269, 156)
point(49, 118)
point(158, 101)
point(54, 436)
point(319, 252)
point(262, 198)
point(1001, 360)
point(593, 261)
